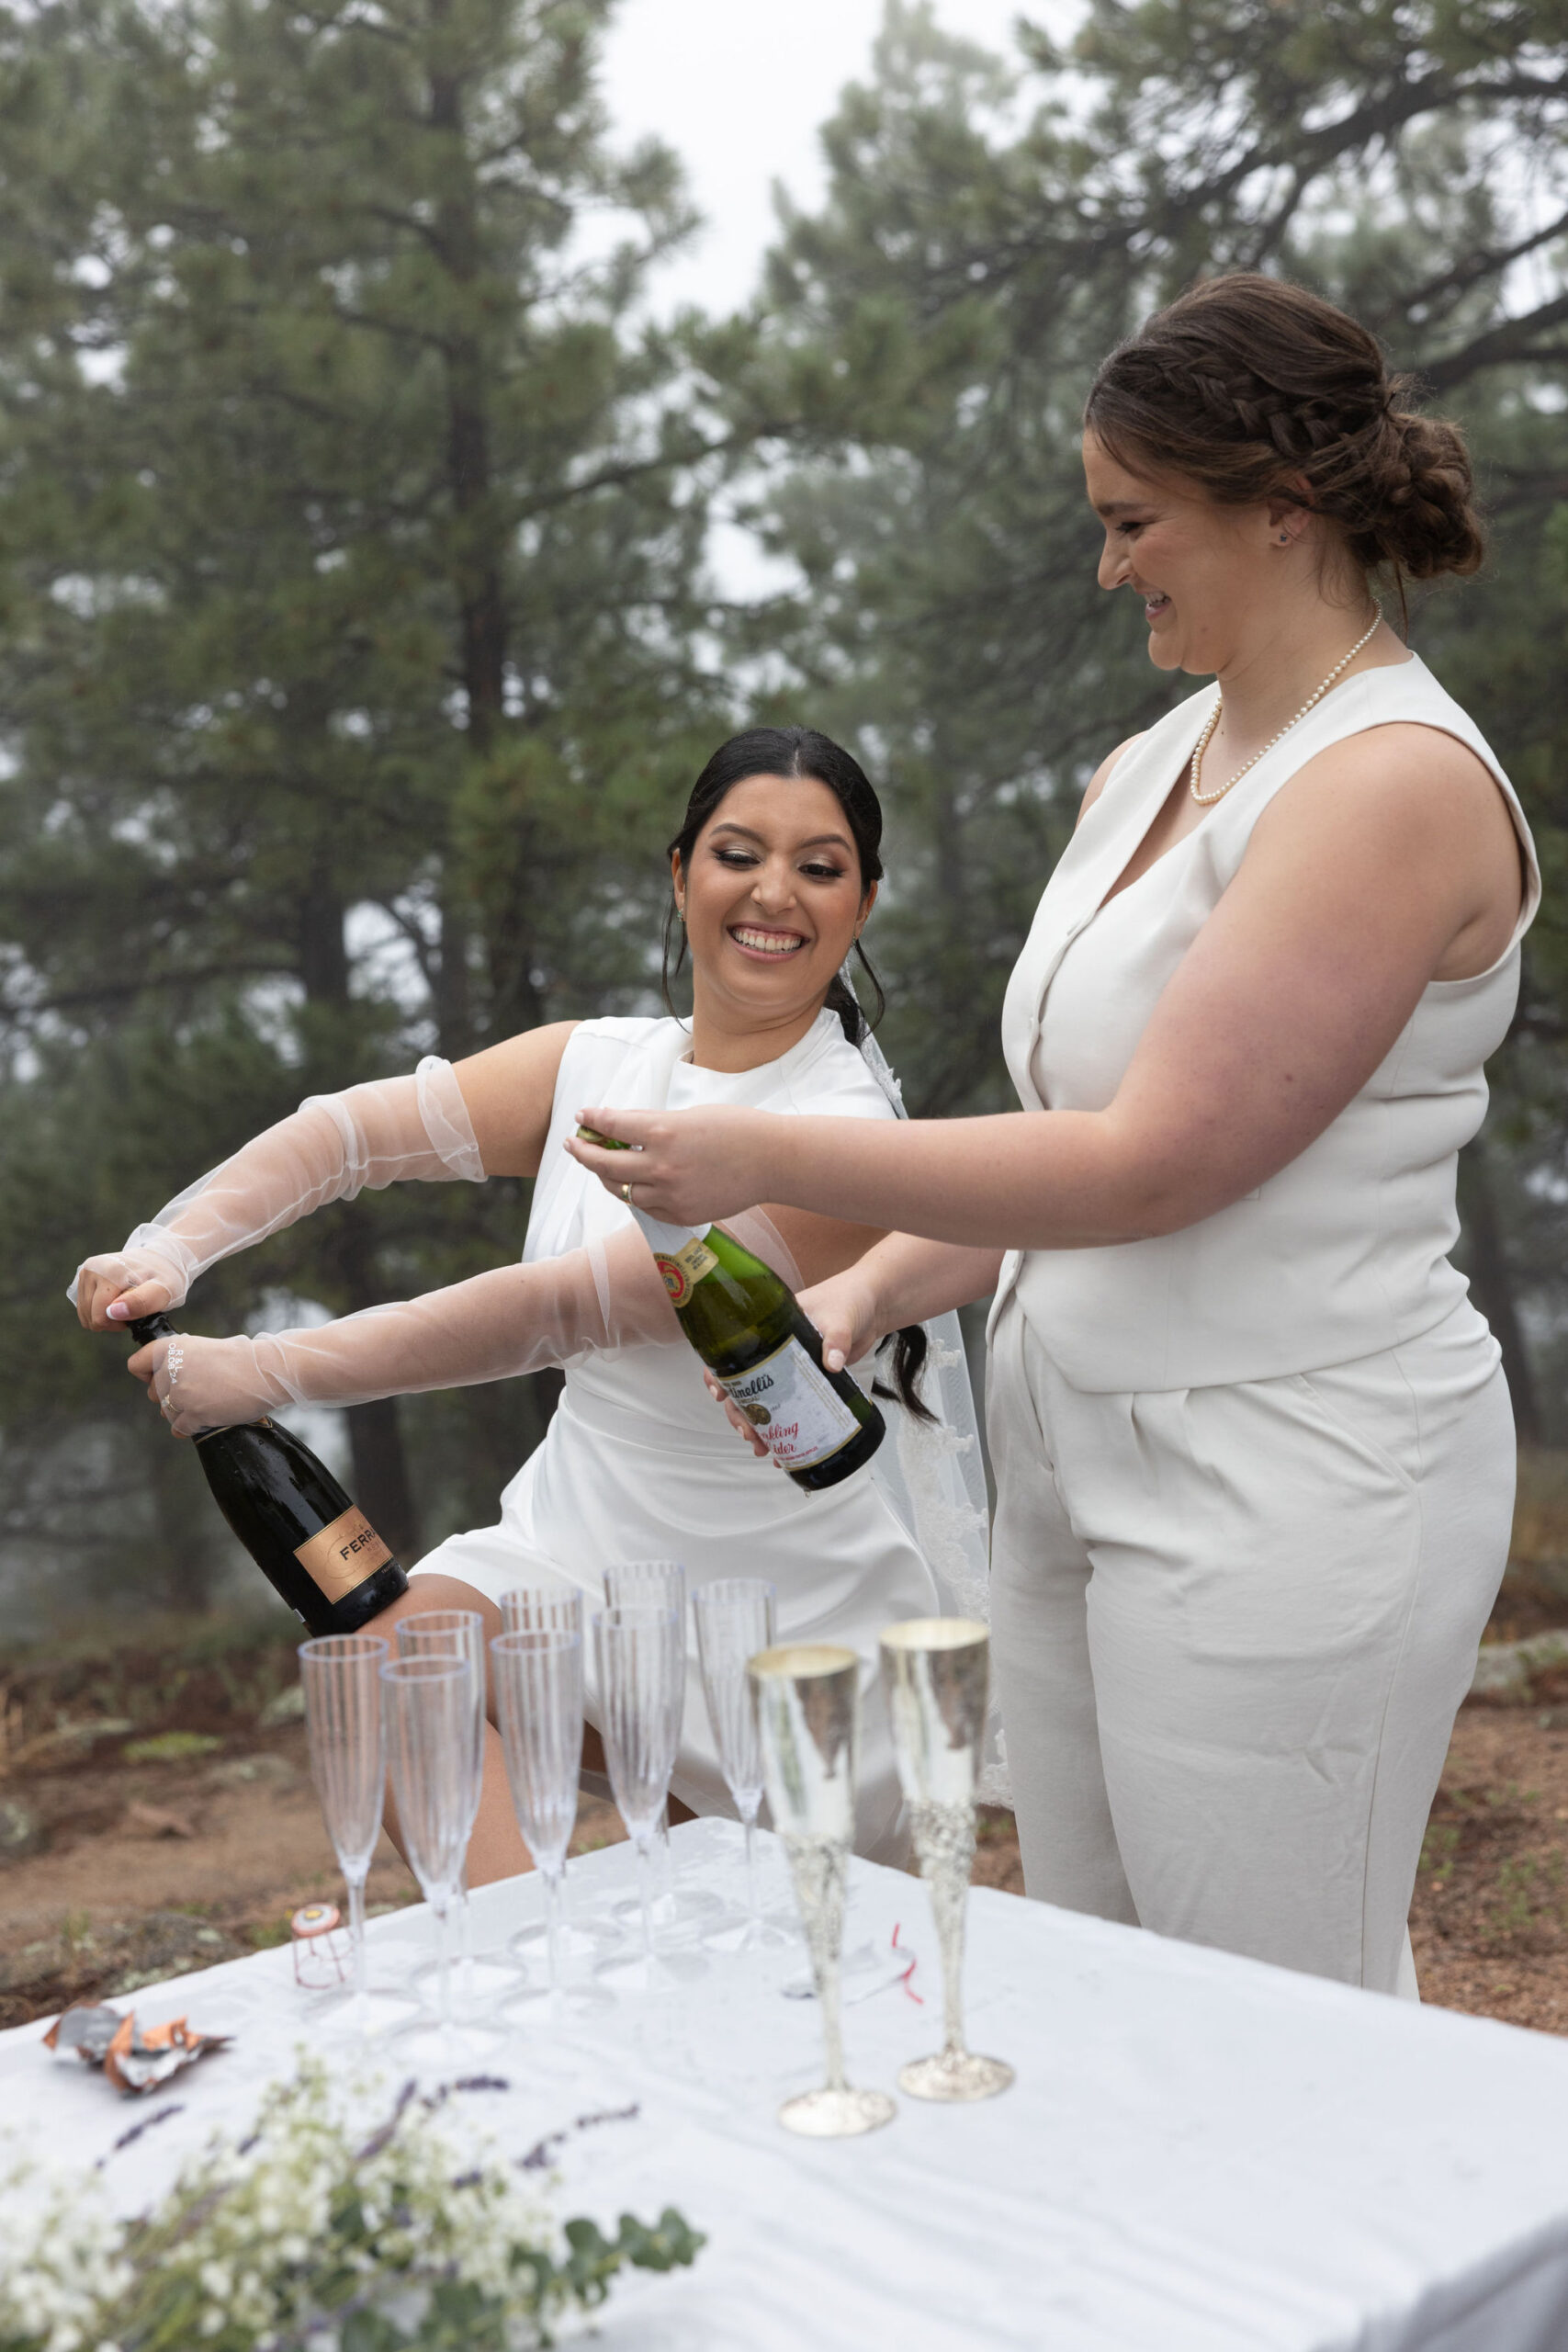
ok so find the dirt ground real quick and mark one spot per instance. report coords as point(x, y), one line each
point(156, 1814)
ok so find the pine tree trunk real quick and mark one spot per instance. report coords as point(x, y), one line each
point(381, 1485)
point(479, 569)
point(380, 1476)
point(190, 1534)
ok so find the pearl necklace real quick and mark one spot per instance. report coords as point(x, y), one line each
point(1207, 799)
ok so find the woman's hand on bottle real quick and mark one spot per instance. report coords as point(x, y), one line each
point(690, 1167)
point(849, 1312)
point(734, 1417)
point(113, 1291)
point(199, 1384)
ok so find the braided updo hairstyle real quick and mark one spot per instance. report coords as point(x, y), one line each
point(1255, 389)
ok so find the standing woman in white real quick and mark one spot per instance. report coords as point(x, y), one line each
point(774, 873)
point(1254, 1449)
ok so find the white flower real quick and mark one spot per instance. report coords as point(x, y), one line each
point(257, 2236)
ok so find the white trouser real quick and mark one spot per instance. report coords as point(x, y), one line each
point(1232, 1627)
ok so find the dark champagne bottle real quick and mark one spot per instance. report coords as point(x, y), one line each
point(315, 1546)
point(765, 1354)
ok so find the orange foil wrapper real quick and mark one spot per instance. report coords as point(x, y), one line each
point(132, 2060)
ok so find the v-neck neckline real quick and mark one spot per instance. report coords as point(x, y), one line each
point(1117, 889)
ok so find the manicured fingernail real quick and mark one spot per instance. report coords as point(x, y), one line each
point(120, 1312)
point(835, 1359)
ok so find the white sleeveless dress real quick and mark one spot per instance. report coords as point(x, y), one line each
point(1256, 1477)
point(639, 1463)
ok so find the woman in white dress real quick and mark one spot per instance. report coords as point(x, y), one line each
point(774, 873)
point(1254, 1452)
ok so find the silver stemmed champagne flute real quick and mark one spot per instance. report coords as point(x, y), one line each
point(734, 1619)
point(642, 1657)
point(428, 1701)
point(341, 1676)
point(936, 1672)
point(808, 1702)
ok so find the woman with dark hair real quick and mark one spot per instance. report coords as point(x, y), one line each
point(1254, 1451)
point(775, 872)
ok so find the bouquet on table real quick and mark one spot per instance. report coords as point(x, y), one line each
point(313, 2236)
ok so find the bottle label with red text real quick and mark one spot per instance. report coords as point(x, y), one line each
point(794, 1407)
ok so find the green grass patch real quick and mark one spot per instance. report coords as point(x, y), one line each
point(170, 1747)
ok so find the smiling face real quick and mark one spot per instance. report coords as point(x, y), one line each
point(772, 901)
point(1211, 577)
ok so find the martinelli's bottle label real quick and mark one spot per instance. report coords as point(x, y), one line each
point(748, 1327)
point(792, 1407)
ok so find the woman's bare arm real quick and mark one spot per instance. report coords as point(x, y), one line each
point(821, 1246)
point(1397, 865)
point(508, 1089)
point(903, 1280)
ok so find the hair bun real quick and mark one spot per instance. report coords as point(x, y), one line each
point(1420, 500)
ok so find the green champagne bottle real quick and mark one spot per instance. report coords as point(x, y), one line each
point(311, 1541)
point(748, 1327)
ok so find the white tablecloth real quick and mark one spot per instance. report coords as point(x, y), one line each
point(1201, 2154)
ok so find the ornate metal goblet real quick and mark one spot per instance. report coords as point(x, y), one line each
point(936, 1672)
point(808, 1702)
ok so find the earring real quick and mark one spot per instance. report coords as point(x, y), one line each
point(1284, 539)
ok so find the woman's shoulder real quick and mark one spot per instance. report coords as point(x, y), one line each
point(626, 1030)
point(599, 1054)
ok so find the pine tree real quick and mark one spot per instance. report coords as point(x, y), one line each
point(987, 236)
point(352, 546)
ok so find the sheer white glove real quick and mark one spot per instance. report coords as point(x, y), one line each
point(330, 1148)
point(513, 1320)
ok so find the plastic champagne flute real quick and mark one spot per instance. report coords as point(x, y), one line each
point(681, 1912)
point(538, 1693)
point(340, 1676)
point(429, 1703)
point(641, 1659)
point(735, 1619)
point(542, 1609)
point(457, 1632)
point(555, 1609)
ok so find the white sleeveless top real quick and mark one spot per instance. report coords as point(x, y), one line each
point(1344, 1251)
point(635, 1064)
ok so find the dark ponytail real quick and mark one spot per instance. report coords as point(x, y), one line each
point(802, 752)
point(910, 1349)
